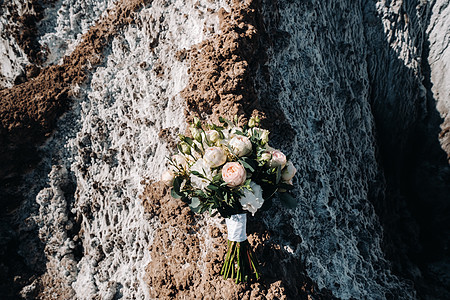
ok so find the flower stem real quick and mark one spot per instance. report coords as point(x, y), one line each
point(240, 263)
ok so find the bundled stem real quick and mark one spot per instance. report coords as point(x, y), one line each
point(240, 262)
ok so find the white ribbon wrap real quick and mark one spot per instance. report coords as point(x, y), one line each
point(237, 227)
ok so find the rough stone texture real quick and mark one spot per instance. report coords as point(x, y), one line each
point(438, 60)
point(354, 91)
point(28, 111)
point(319, 75)
point(414, 208)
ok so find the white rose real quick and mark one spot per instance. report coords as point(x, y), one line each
point(167, 177)
point(241, 145)
point(252, 200)
point(215, 156)
point(203, 168)
point(278, 159)
point(288, 172)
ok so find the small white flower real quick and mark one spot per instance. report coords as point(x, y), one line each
point(241, 145)
point(252, 200)
point(167, 177)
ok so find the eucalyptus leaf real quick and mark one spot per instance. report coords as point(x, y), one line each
point(174, 194)
point(195, 202)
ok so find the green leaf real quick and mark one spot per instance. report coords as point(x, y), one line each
point(246, 165)
point(176, 184)
point(174, 194)
point(188, 140)
point(238, 132)
point(288, 200)
point(196, 173)
point(197, 149)
point(218, 176)
point(212, 187)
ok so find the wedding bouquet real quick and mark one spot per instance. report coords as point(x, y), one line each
point(230, 170)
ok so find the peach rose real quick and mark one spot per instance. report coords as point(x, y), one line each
point(234, 174)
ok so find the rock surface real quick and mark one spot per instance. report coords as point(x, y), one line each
point(95, 92)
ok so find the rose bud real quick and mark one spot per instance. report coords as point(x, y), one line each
point(212, 136)
point(167, 177)
point(185, 148)
point(179, 161)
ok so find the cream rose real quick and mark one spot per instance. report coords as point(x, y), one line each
point(215, 156)
point(278, 159)
point(234, 174)
point(241, 145)
point(252, 200)
point(167, 177)
point(288, 172)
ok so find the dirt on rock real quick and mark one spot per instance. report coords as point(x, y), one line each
point(223, 70)
point(187, 255)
